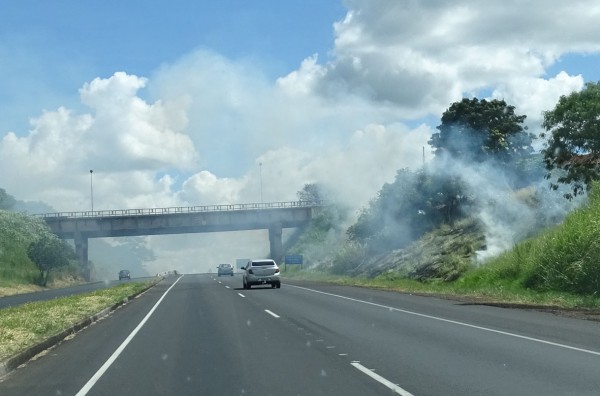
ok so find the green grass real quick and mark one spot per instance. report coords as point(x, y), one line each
point(563, 259)
point(493, 292)
point(26, 325)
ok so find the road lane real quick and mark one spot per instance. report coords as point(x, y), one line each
point(209, 336)
point(205, 339)
point(63, 370)
point(202, 339)
point(442, 353)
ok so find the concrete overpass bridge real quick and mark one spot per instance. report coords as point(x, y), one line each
point(272, 216)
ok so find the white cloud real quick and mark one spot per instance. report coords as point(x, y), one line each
point(123, 139)
point(422, 56)
point(535, 95)
point(137, 135)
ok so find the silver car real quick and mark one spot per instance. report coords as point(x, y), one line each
point(224, 269)
point(261, 272)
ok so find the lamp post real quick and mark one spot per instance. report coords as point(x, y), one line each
point(92, 187)
point(261, 189)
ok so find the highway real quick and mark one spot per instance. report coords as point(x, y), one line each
point(205, 335)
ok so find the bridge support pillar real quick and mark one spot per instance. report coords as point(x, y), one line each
point(81, 250)
point(275, 242)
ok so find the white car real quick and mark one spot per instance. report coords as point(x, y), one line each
point(261, 272)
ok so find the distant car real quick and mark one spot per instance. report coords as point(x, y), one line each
point(224, 269)
point(261, 272)
point(124, 274)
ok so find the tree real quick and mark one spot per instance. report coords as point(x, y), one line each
point(573, 146)
point(415, 203)
point(479, 130)
point(48, 253)
point(311, 192)
point(7, 201)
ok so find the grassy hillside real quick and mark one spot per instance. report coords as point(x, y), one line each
point(17, 231)
point(565, 258)
point(443, 254)
point(559, 266)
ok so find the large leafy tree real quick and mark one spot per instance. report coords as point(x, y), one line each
point(49, 253)
point(415, 203)
point(573, 147)
point(480, 130)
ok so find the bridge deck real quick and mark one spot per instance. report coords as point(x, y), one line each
point(183, 209)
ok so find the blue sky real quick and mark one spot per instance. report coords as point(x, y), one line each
point(50, 48)
point(177, 103)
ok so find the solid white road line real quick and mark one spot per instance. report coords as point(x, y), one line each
point(88, 386)
point(271, 313)
point(455, 322)
point(381, 380)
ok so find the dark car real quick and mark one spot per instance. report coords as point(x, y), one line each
point(124, 274)
point(224, 269)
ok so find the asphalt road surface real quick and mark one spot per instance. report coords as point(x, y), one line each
point(205, 335)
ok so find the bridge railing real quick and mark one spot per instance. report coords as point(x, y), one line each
point(184, 209)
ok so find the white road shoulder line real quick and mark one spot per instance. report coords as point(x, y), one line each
point(271, 313)
point(454, 322)
point(92, 381)
point(381, 380)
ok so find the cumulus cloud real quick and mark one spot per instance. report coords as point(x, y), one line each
point(537, 95)
point(123, 138)
point(422, 56)
point(137, 135)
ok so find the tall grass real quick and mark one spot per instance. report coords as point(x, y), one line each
point(565, 258)
point(17, 231)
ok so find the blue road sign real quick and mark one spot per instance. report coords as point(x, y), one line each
point(293, 259)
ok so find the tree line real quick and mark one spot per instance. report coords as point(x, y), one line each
point(490, 132)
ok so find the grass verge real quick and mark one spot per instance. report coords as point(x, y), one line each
point(24, 326)
point(498, 294)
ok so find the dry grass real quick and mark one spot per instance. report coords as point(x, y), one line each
point(23, 326)
point(19, 289)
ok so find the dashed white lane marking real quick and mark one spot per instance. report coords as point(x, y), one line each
point(88, 386)
point(227, 287)
point(454, 322)
point(272, 313)
point(381, 380)
point(241, 295)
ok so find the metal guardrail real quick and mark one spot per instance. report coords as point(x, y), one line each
point(183, 209)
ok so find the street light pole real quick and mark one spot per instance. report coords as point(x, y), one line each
point(92, 187)
point(261, 189)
